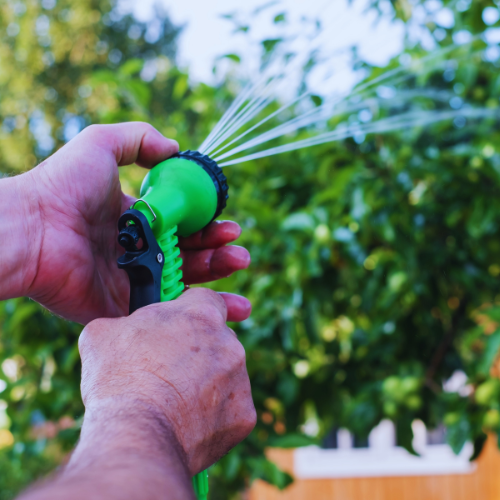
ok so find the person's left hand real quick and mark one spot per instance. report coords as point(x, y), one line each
point(74, 200)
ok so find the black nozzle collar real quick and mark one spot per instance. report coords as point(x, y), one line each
point(215, 173)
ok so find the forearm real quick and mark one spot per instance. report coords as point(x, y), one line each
point(122, 454)
point(20, 235)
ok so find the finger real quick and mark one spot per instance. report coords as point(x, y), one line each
point(215, 235)
point(203, 297)
point(133, 142)
point(238, 307)
point(202, 266)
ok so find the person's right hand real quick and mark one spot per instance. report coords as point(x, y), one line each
point(177, 362)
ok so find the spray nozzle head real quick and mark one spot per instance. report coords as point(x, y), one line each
point(215, 173)
point(187, 191)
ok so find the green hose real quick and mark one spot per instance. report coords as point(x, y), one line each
point(200, 485)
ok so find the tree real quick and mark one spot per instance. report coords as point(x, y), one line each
point(49, 50)
point(375, 263)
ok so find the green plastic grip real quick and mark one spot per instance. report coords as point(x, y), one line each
point(171, 284)
point(200, 485)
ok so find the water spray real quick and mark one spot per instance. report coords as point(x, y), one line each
point(179, 196)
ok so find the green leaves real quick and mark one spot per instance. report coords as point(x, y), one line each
point(270, 44)
point(401, 394)
point(404, 432)
point(20, 470)
point(487, 392)
point(125, 86)
point(291, 440)
point(131, 67)
point(41, 368)
point(280, 18)
point(458, 432)
point(232, 57)
point(490, 353)
point(298, 221)
point(268, 471)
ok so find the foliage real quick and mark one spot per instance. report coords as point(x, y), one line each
point(40, 363)
point(50, 50)
point(20, 470)
point(375, 263)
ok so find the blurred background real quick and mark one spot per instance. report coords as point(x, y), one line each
point(375, 258)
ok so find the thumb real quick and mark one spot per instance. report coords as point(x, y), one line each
point(133, 142)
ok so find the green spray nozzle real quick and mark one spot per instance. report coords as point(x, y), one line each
point(179, 196)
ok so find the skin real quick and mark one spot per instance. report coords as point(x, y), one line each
point(165, 389)
point(60, 224)
point(166, 393)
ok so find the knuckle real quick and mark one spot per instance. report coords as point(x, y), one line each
point(206, 303)
point(93, 130)
point(212, 315)
point(82, 343)
point(237, 355)
point(221, 303)
point(244, 422)
point(86, 338)
point(91, 335)
point(206, 314)
point(97, 135)
point(249, 418)
point(146, 127)
point(90, 329)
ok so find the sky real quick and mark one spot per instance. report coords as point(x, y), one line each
point(207, 35)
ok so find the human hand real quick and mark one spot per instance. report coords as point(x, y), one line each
point(73, 201)
point(176, 361)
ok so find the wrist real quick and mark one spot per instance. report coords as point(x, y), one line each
point(21, 235)
point(125, 452)
point(124, 428)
